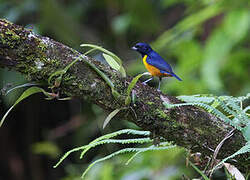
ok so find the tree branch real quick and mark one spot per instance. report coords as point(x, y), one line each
point(38, 57)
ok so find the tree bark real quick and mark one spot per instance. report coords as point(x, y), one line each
point(193, 128)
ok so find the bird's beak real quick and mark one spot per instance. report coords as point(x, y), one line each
point(134, 48)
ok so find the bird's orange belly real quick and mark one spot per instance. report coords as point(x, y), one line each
point(153, 70)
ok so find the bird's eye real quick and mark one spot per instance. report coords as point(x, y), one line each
point(137, 46)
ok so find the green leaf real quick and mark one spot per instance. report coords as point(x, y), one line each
point(61, 72)
point(110, 116)
point(105, 78)
point(133, 97)
point(65, 99)
point(56, 73)
point(199, 171)
point(131, 86)
point(134, 81)
point(111, 61)
point(246, 132)
point(115, 57)
point(103, 50)
point(26, 93)
point(98, 71)
point(127, 100)
point(122, 71)
point(115, 93)
point(20, 86)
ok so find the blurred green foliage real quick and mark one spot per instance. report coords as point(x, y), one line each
point(46, 148)
point(206, 42)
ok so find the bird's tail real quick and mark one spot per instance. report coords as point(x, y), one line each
point(176, 77)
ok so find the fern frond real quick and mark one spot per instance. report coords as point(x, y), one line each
point(127, 150)
point(197, 98)
point(166, 145)
point(124, 131)
point(119, 141)
point(240, 98)
point(246, 109)
point(67, 154)
point(244, 149)
point(232, 106)
point(235, 111)
point(207, 107)
point(105, 139)
point(108, 157)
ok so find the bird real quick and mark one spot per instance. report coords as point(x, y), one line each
point(154, 63)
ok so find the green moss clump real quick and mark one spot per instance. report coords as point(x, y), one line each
point(161, 113)
point(150, 103)
point(2, 40)
point(198, 130)
point(42, 46)
point(9, 38)
point(13, 35)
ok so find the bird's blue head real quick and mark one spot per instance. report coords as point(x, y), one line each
point(142, 48)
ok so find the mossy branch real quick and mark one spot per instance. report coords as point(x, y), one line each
point(38, 57)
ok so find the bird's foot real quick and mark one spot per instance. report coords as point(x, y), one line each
point(145, 82)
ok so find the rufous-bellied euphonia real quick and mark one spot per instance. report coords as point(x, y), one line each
point(154, 63)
